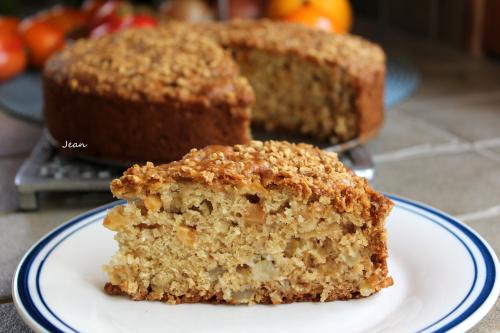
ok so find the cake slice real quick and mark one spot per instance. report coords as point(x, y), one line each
point(266, 222)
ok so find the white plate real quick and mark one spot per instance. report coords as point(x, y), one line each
point(445, 280)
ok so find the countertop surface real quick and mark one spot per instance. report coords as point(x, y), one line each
point(440, 147)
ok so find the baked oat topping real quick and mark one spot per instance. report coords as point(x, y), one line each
point(307, 170)
point(149, 64)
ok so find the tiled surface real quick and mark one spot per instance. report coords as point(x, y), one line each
point(8, 169)
point(10, 320)
point(450, 182)
point(490, 323)
point(472, 118)
point(19, 232)
point(496, 150)
point(489, 229)
point(452, 74)
point(11, 143)
point(402, 130)
point(441, 147)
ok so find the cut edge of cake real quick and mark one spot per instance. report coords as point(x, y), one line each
point(331, 85)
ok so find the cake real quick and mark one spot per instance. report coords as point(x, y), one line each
point(322, 85)
point(145, 94)
point(153, 94)
point(264, 222)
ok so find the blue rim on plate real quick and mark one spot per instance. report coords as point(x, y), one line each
point(455, 317)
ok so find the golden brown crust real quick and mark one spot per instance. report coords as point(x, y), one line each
point(152, 65)
point(307, 170)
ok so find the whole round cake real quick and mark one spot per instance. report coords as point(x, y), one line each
point(145, 95)
point(153, 94)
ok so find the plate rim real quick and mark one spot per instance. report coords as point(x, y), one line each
point(479, 307)
point(484, 301)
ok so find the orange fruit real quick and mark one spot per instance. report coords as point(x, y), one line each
point(8, 24)
point(42, 39)
point(338, 10)
point(65, 18)
point(282, 8)
point(12, 55)
point(312, 17)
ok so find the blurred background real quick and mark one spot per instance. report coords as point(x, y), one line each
point(468, 25)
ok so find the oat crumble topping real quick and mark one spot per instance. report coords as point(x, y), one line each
point(308, 170)
point(149, 64)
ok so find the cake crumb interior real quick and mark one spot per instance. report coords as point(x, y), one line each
point(190, 243)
